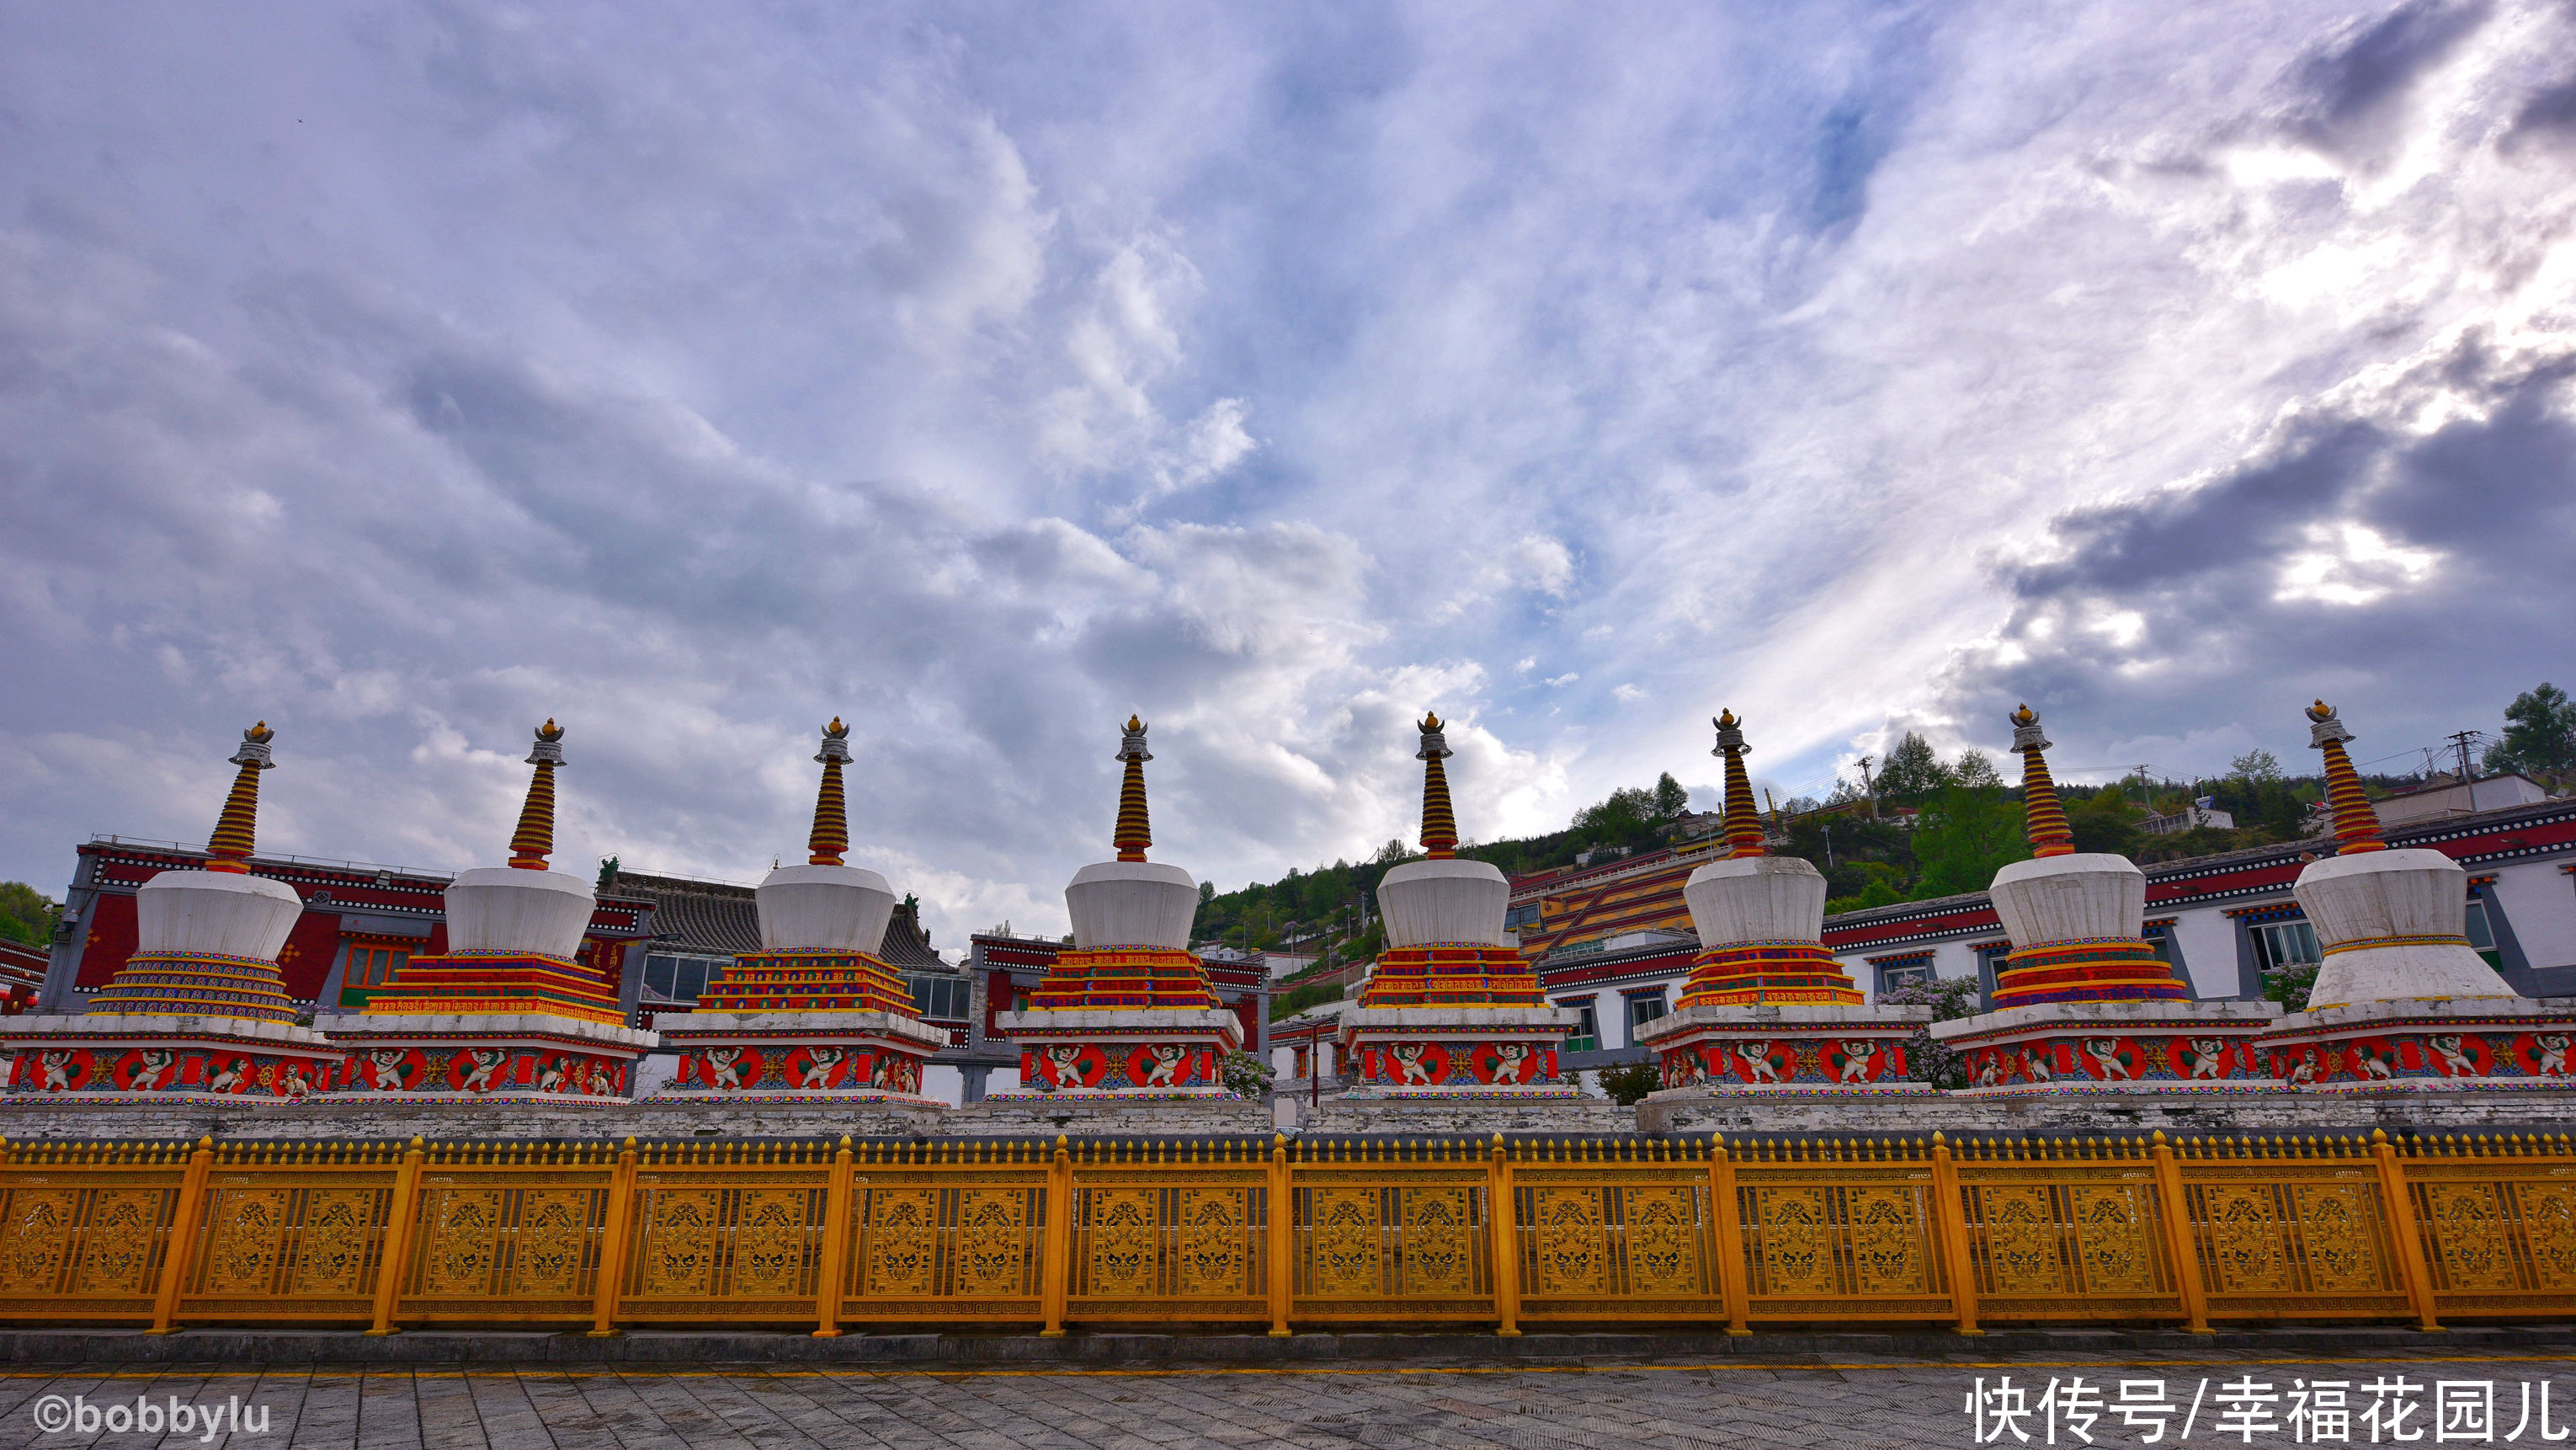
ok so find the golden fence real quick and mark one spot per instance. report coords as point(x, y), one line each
point(1282, 1234)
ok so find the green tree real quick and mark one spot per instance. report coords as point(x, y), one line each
point(1966, 836)
point(1628, 1085)
point(2539, 733)
point(1975, 770)
point(2255, 767)
point(1911, 771)
point(26, 914)
point(1627, 809)
point(2104, 822)
point(1670, 799)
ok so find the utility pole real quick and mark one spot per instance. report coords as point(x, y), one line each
point(1869, 787)
point(2460, 742)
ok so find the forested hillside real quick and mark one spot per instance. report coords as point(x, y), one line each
point(1941, 828)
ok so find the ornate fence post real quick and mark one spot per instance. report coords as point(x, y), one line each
point(1283, 1229)
point(183, 1235)
point(1726, 1220)
point(1950, 1235)
point(1501, 1212)
point(399, 1215)
point(613, 1244)
point(2403, 1227)
point(836, 1243)
point(2174, 1219)
point(1057, 1271)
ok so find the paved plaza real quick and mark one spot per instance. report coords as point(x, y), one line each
point(2426, 1398)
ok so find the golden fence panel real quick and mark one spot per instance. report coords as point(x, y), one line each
point(730, 1232)
point(2058, 1230)
point(507, 1233)
point(952, 1232)
point(1316, 1233)
point(1391, 1231)
point(85, 1229)
point(2291, 1228)
point(1843, 1229)
point(2496, 1219)
point(290, 1232)
point(1165, 1231)
point(1607, 1229)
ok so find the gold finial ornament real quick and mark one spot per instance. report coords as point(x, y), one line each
point(1134, 832)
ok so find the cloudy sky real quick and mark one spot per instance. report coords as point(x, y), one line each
point(404, 375)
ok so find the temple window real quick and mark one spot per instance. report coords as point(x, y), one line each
point(1587, 1028)
point(370, 966)
point(1644, 1007)
point(2279, 944)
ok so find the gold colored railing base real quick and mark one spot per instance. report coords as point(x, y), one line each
point(1318, 1235)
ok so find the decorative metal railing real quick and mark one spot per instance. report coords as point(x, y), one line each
point(1280, 1233)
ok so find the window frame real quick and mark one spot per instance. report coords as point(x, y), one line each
point(1630, 1001)
point(1586, 1036)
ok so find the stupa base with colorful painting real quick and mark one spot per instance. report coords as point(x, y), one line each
point(1793, 1049)
point(2403, 1002)
point(522, 1027)
point(199, 1012)
point(2084, 1004)
point(2157, 1046)
point(794, 1026)
point(1121, 1052)
point(166, 1058)
point(1453, 1023)
point(2475, 1044)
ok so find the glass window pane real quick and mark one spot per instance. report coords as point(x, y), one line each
point(657, 976)
point(2481, 935)
point(691, 978)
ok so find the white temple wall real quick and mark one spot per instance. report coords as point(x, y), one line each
point(2540, 900)
point(2205, 939)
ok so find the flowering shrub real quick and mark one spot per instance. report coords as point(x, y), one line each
point(1244, 1075)
point(1949, 998)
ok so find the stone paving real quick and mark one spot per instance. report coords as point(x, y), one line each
point(1845, 1403)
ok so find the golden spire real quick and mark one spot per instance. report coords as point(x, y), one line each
point(1134, 833)
point(1439, 825)
point(534, 840)
point(1743, 828)
point(831, 834)
point(230, 846)
point(2356, 823)
point(2042, 817)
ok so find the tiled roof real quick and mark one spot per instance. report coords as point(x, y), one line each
point(709, 916)
point(906, 944)
point(719, 918)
